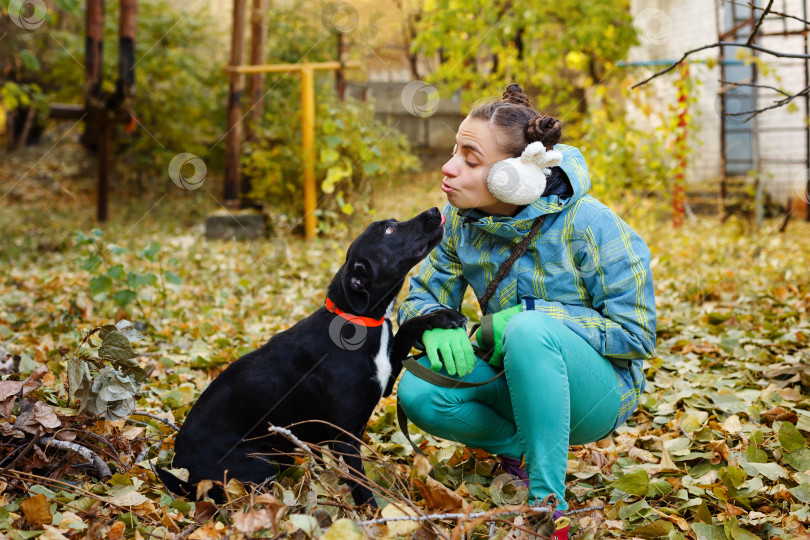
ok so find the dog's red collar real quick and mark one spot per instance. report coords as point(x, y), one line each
point(356, 319)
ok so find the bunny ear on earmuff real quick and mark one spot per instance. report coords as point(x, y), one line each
point(536, 153)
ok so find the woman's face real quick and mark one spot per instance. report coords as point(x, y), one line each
point(465, 174)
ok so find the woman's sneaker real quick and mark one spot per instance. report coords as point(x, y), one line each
point(555, 526)
point(561, 524)
point(516, 468)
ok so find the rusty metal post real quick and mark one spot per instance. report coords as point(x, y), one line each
point(125, 85)
point(93, 46)
point(255, 81)
point(233, 139)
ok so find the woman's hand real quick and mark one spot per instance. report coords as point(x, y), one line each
point(453, 347)
point(492, 340)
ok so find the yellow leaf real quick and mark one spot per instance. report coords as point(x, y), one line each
point(400, 528)
point(344, 529)
point(52, 533)
point(37, 510)
point(131, 498)
point(732, 424)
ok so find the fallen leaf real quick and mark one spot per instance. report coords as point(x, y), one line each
point(204, 510)
point(343, 529)
point(207, 532)
point(732, 424)
point(8, 396)
point(400, 528)
point(781, 414)
point(203, 487)
point(34, 380)
point(37, 510)
point(421, 465)
point(131, 498)
point(440, 497)
point(52, 533)
point(732, 510)
point(254, 520)
point(116, 531)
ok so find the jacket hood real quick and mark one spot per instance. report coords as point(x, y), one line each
point(575, 168)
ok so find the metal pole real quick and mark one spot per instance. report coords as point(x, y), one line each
point(806, 124)
point(308, 144)
point(233, 139)
point(722, 202)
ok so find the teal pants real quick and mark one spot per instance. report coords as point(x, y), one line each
point(557, 391)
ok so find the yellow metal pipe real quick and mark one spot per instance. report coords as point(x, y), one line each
point(276, 68)
point(308, 144)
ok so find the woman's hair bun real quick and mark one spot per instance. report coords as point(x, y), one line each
point(545, 129)
point(514, 94)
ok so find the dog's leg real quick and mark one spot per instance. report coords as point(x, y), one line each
point(411, 330)
point(350, 450)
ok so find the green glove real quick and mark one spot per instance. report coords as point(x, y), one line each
point(499, 321)
point(451, 345)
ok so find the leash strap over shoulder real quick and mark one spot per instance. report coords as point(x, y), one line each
point(519, 249)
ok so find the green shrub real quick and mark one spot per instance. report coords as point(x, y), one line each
point(353, 150)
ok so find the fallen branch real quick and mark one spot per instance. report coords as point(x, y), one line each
point(89, 455)
point(21, 454)
point(156, 417)
point(290, 435)
point(544, 510)
point(581, 510)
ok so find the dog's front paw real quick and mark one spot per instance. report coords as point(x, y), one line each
point(444, 318)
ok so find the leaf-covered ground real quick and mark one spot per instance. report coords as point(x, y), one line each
point(718, 449)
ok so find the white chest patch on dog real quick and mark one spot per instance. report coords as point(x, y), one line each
point(382, 360)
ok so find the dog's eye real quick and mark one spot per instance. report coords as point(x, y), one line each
point(389, 230)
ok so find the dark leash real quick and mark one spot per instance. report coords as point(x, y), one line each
point(412, 364)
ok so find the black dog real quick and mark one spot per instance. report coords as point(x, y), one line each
point(332, 366)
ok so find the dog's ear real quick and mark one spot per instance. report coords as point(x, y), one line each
point(354, 285)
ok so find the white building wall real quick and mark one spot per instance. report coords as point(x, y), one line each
point(782, 132)
point(668, 28)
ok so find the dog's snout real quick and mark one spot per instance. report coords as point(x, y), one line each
point(434, 219)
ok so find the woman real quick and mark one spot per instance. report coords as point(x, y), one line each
point(572, 320)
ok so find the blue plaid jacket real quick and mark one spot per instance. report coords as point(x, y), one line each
point(586, 268)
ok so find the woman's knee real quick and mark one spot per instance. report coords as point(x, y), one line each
point(532, 329)
point(412, 392)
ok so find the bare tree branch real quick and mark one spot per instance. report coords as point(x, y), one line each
point(775, 89)
point(755, 31)
point(776, 105)
point(778, 54)
point(777, 13)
